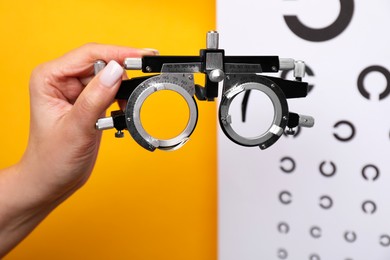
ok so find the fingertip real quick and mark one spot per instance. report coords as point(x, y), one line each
point(150, 51)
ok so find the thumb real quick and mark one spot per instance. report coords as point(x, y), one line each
point(97, 96)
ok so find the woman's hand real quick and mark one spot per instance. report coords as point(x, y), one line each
point(66, 99)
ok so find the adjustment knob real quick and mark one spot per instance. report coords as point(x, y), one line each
point(216, 75)
point(105, 123)
point(299, 70)
point(98, 66)
point(212, 40)
point(306, 121)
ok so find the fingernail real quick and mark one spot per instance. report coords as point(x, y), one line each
point(155, 52)
point(111, 74)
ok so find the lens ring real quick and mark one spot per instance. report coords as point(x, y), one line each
point(279, 122)
point(179, 83)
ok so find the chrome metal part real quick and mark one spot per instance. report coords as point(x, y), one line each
point(105, 123)
point(182, 84)
point(242, 68)
point(306, 121)
point(98, 66)
point(133, 63)
point(194, 67)
point(286, 64)
point(214, 61)
point(234, 85)
point(216, 75)
point(299, 69)
point(214, 66)
point(212, 40)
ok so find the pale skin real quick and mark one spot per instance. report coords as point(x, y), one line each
point(66, 99)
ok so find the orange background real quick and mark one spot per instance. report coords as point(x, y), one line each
point(137, 204)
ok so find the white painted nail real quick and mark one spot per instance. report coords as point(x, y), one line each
point(111, 74)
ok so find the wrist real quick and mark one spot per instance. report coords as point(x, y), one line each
point(42, 183)
point(20, 211)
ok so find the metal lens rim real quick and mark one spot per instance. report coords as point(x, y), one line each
point(163, 144)
point(280, 111)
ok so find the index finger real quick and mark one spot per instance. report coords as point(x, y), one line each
point(79, 62)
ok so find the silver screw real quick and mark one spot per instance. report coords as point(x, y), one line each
point(290, 131)
point(119, 134)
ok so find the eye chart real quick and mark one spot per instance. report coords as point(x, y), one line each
point(323, 193)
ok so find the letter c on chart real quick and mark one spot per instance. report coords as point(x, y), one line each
point(323, 34)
